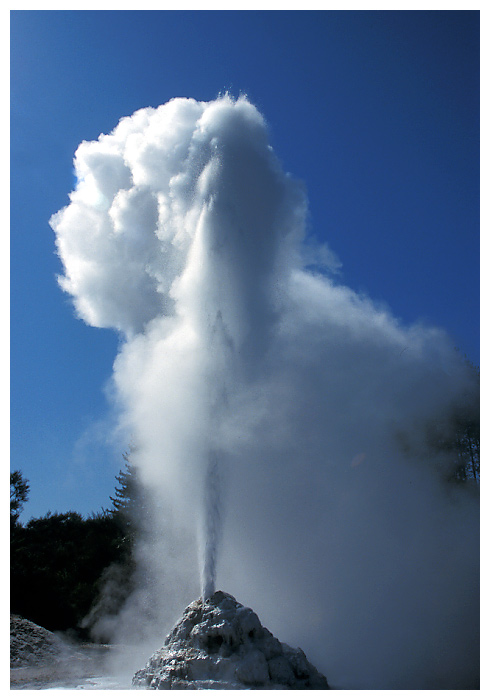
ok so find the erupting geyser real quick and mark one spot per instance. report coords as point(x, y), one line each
point(280, 420)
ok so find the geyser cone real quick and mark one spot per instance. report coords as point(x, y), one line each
point(218, 643)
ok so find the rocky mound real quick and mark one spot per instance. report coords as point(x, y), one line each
point(221, 644)
point(32, 644)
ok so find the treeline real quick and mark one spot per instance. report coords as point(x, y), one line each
point(58, 561)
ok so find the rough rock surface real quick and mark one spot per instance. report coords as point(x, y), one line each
point(221, 644)
point(39, 659)
point(32, 644)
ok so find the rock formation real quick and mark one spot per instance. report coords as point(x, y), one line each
point(221, 644)
point(31, 644)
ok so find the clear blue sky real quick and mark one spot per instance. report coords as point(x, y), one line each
point(377, 112)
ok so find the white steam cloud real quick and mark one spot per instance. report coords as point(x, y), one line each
point(278, 416)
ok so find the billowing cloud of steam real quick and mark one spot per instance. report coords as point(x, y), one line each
point(278, 416)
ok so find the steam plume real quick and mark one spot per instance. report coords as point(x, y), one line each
point(278, 416)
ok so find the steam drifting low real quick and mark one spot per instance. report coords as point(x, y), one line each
point(278, 417)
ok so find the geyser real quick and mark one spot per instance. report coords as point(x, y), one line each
point(280, 420)
point(220, 644)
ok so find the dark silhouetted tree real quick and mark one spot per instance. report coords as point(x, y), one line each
point(19, 492)
point(466, 430)
point(126, 503)
point(457, 435)
point(56, 565)
point(452, 437)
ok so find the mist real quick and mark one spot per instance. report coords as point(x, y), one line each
point(279, 419)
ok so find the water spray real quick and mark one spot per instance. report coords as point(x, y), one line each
point(252, 380)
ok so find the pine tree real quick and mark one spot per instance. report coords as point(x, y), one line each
point(126, 500)
point(130, 503)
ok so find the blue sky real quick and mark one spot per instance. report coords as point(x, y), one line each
point(377, 112)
